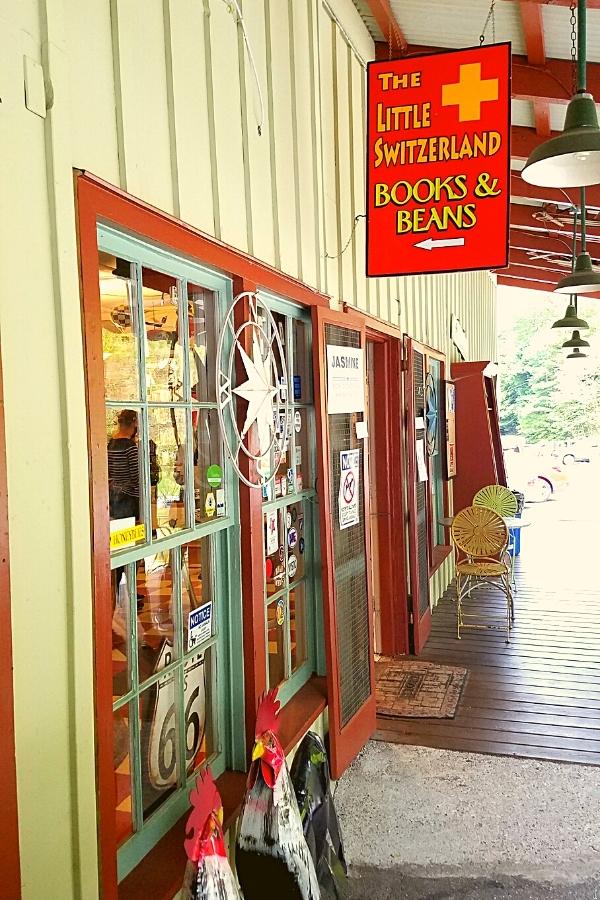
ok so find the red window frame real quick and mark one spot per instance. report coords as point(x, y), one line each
point(10, 871)
point(98, 201)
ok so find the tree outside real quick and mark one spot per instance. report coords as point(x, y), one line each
point(543, 396)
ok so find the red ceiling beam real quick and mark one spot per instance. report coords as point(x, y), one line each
point(591, 4)
point(533, 284)
point(533, 30)
point(530, 217)
point(521, 258)
point(389, 26)
point(544, 243)
point(569, 196)
point(552, 82)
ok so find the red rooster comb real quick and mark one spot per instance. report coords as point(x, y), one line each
point(268, 710)
point(205, 799)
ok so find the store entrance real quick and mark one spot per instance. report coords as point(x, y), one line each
point(386, 507)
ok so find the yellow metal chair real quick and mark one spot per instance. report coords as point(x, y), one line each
point(498, 498)
point(480, 537)
point(501, 501)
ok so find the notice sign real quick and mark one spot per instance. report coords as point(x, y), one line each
point(450, 429)
point(438, 170)
point(199, 624)
point(345, 380)
point(349, 487)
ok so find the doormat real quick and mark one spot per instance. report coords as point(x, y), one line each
point(423, 690)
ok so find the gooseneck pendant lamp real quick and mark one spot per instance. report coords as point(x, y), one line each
point(576, 354)
point(570, 318)
point(572, 159)
point(583, 279)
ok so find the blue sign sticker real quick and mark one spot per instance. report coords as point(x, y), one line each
point(297, 387)
point(199, 624)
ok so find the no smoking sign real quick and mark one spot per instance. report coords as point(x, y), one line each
point(349, 488)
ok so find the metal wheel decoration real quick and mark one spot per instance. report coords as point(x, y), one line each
point(431, 414)
point(265, 391)
point(479, 532)
point(498, 498)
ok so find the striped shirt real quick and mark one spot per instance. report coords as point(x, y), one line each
point(123, 466)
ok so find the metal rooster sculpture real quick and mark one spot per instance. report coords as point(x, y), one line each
point(272, 856)
point(208, 875)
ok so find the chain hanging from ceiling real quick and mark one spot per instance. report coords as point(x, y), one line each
point(573, 21)
point(491, 16)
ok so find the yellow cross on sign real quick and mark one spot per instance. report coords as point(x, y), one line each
point(469, 92)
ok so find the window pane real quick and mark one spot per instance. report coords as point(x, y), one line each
point(295, 540)
point(203, 331)
point(156, 632)
point(119, 333)
point(121, 627)
point(274, 549)
point(197, 594)
point(209, 490)
point(124, 478)
point(167, 448)
point(298, 646)
point(162, 341)
point(276, 616)
point(200, 740)
point(122, 768)
point(301, 376)
point(159, 746)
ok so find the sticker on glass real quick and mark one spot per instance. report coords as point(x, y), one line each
point(299, 484)
point(297, 421)
point(294, 515)
point(288, 519)
point(214, 476)
point(283, 484)
point(279, 576)
point(290, 478)
point(269, 569)
point(292, 565)
point(297, 387)
point(298, 455)
point(210, 505)
point(280, 613)
point(199, 625)
point(272, 533)
point(220, 495)
point(301, 545)
point(292, 538)
point(300, 523)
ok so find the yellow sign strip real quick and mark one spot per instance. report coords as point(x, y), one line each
point(125, 536)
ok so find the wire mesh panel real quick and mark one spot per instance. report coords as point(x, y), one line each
point(349, 550)
point(421, 506)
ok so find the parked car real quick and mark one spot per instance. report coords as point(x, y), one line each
point(537, 475)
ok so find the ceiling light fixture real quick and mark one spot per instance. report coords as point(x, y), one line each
point(571, 159)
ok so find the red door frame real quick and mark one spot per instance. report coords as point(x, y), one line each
point(96, 202)
point(10, 872)
point(344, 741)
point(389, 474)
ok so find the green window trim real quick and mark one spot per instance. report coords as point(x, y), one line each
point(222, 652)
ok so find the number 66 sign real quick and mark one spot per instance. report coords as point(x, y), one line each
point(162, 744)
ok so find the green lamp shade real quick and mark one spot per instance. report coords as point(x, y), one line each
point(571, 159)
point(582, 280)
point(571, 319)
point(575, 341)
point(576, 354)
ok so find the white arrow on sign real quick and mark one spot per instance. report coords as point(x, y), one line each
point(433, 243)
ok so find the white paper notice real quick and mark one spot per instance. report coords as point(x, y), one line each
point(349, 487)
point(361, 431)
point(345, 380)
point(419, 423)
point(272, 533)
point(421, 462)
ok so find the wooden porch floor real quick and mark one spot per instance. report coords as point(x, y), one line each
point(540, 696)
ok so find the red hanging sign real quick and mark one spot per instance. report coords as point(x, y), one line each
point(438, 162)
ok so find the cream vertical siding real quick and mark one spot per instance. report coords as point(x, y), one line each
point(159, 98)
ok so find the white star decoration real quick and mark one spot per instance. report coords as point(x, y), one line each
point(258, 391)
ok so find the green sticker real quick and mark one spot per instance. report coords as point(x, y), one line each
point(214, 476)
